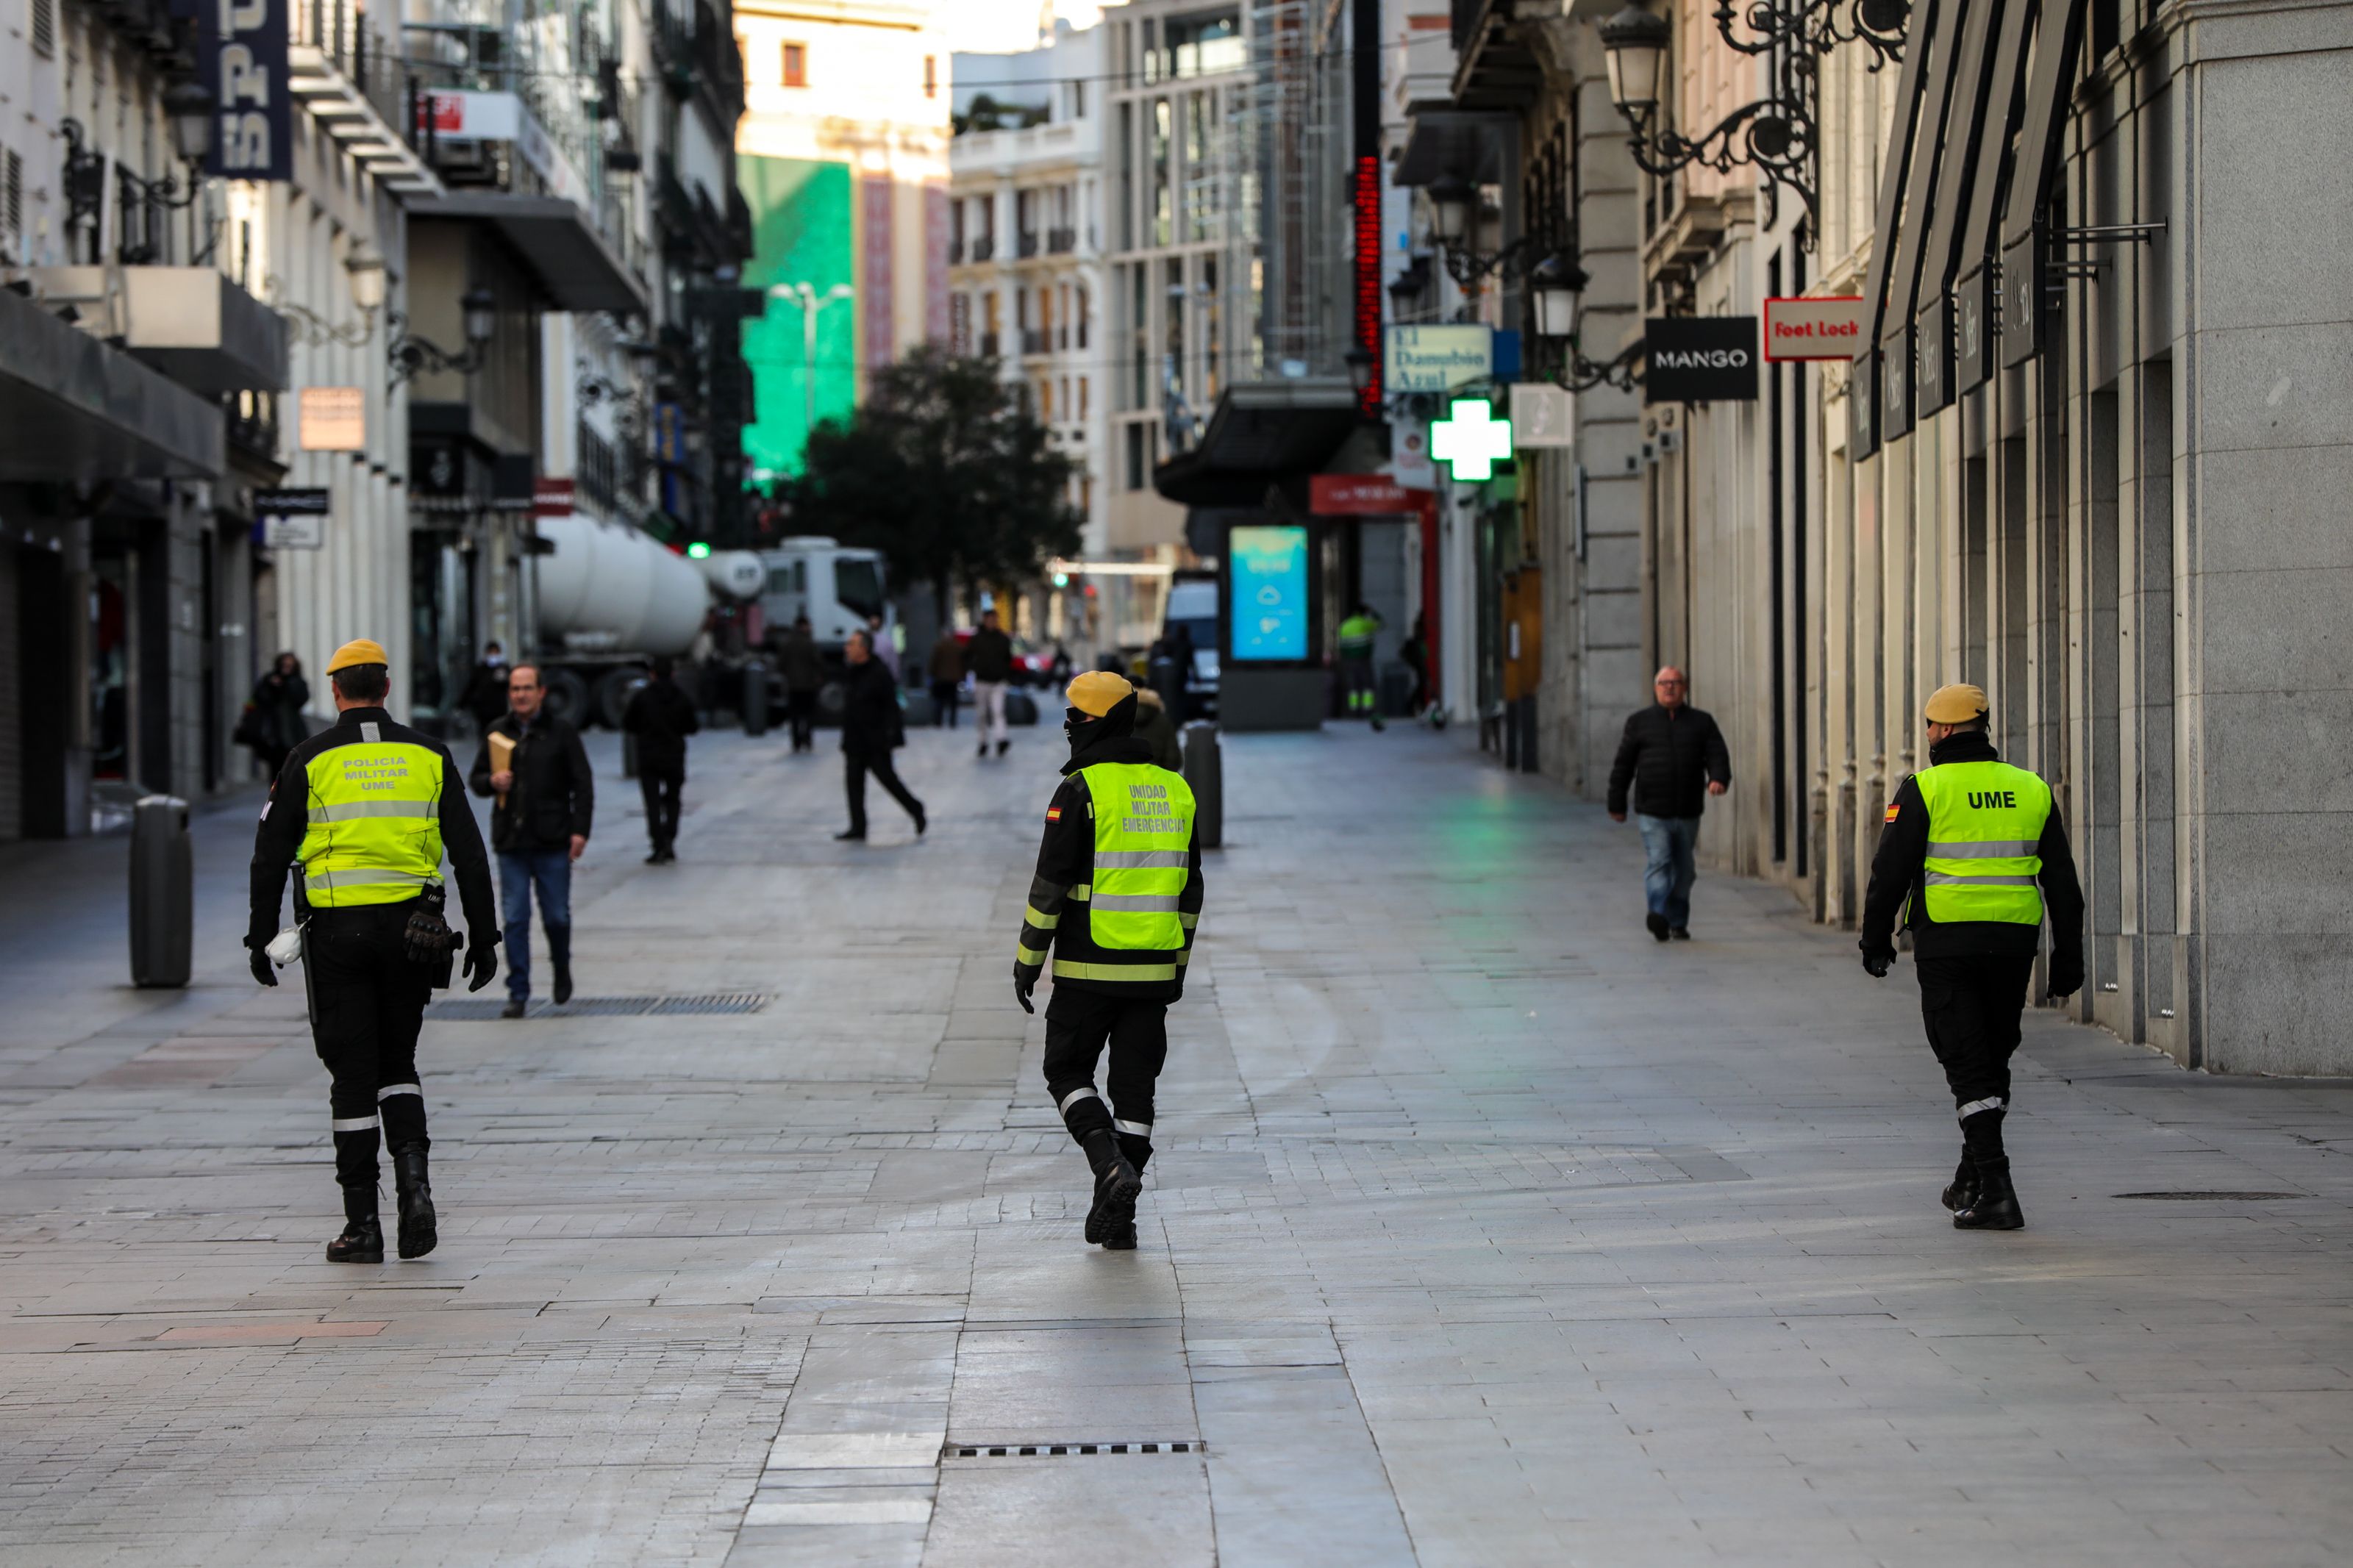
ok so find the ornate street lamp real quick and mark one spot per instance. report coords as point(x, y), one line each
point(365, 268)
point(1554, 285)
point(410, 353)
point(1776, 134)
point(189, 107)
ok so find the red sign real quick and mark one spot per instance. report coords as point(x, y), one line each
point(551, 497)
point(1368, 278)
point(1351, 495)
point(1828, 328)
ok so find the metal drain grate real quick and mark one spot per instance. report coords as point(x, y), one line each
point(1032, 1450)
point(2212, 1197)
point(464, 1010)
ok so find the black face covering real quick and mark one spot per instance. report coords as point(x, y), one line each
point(1085, 730)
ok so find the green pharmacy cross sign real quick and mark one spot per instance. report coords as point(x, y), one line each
point(1470, 441)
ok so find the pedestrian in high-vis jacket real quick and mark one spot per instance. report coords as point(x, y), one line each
point(1974, 854)
point(1115, 898)
point(367, 808)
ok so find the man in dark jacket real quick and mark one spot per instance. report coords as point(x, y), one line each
point(1974, 852)
point(546, 798)
point(989, 657)
point(661, 717)
point(871, 727)
point(485, 696)
point(803, 668)
point(1673, 756)
point(1115, 898)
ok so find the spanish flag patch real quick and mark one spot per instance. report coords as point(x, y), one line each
point(1053, 814)
point(1892, 809)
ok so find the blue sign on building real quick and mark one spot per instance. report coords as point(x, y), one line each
point(1268, 617)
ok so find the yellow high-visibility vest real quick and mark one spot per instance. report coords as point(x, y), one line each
point(374, 829)
point(1984, 823)
point(1144, 836)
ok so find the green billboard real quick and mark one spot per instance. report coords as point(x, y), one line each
point(800, 235)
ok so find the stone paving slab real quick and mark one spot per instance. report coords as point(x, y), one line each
point(1482, 1230)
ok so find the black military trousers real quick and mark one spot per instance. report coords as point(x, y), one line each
point(1972, 1007)
point(660, 784)
point(367, 1005)
point(1079, 1026)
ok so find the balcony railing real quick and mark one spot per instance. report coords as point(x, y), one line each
point(956, 252)
point(347, 41)
point(252, 427)
point(1061, 241)
point(984, 248)
point(989, 344)
point(1033, 341)
point(1029, 246)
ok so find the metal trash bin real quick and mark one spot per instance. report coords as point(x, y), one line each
point(163, 892)
point(755, 698)
point(1205, 776)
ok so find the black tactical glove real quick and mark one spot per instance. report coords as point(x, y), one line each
point(481, 965)
point(1876, 964)
point(261, 970)
point(1025, 982)
point(2066, 975)
point(428, 935)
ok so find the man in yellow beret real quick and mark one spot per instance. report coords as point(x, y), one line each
point(367, 808)
point(1974, 851)
point(1115, 898)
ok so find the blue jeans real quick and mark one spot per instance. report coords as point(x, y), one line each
point(1669, 841)
point(518, 871)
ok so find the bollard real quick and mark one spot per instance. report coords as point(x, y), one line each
point(755, 698)
point(163, 892)
point(1205, 776)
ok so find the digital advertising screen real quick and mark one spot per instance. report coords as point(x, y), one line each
point(1268, 613)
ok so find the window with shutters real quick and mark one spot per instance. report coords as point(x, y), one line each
point(796, 65)
point(45, 25)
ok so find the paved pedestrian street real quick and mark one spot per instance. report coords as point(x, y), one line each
point(1484, 1230)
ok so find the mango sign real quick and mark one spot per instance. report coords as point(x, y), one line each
point(1814, 329)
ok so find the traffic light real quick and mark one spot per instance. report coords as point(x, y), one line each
point(697, 551)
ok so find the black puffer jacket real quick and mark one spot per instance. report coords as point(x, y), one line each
point(1669, 757)
point(554, 795)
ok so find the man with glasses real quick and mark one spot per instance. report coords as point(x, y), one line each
point(1672, 756)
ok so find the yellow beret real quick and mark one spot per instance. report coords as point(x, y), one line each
point(361, 651)
point(1098, 691)
point(1960, 704)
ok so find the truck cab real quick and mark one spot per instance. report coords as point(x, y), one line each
point(835, 587)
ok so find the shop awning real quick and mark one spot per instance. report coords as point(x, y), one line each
point(555, 238)
point(1262, 433)
point(2058, 37)
point(73, 408)
point(1979, 242)
point(1942, 36)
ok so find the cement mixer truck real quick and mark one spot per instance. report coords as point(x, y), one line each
point(610, 599)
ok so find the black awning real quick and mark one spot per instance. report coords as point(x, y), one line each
point(1464, 144)
point(1920, 180)
point(73, 408)
point(1977, 244)
point(1931, 310)
point(553, 237)
point(2057, 38)
point(1862, 399)
point(1261, 434)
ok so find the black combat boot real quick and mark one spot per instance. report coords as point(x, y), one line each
point(1994, 1204)
point(363, 1237)
point(1964, 1190)
point(417, 1232)
point(1116, 1185)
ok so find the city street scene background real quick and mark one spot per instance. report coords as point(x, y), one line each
point(1442, 417)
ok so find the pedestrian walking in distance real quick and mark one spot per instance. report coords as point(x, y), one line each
point(534, 769)
point(367, 808)
point(947, 680)
point(273, 723)
point(1359, 634)
point(873, 727)
point(1115, 898)
point(989, 657)
point(803, 668)
point(485, 696)
point(1974, 853)
point(661, 717)
point(1673, 757)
